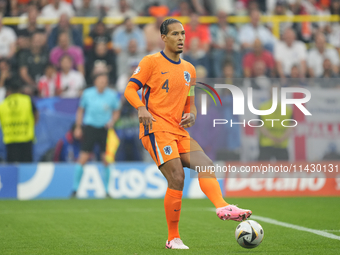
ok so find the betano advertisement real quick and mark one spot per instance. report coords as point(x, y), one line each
point(283, 179)
point(142, 180)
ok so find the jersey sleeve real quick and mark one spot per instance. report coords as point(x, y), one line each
point(192, 82)
point(143, 72)
point(190, 102)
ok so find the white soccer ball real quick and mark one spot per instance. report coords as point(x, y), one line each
point(249, 234)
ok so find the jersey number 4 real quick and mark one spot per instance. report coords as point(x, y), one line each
point(166, 86)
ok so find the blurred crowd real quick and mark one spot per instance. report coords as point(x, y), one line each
point(56, 60)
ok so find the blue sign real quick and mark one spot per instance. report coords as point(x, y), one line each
point(127, 180)
point(8, 181)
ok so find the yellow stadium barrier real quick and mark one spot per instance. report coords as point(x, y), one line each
point(86, 22)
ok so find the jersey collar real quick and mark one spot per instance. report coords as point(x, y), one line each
point(174, 62)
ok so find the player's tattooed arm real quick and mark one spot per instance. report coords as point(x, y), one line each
point(145, 117)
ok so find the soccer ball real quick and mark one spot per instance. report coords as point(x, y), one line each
point(249, 234)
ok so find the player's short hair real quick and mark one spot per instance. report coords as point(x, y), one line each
point(164, 26)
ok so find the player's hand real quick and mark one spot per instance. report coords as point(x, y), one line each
point(145, 117)
point(78, 133)
point(188, 120)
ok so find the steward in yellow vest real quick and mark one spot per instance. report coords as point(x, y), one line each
point(17, 118)
point(274, 136)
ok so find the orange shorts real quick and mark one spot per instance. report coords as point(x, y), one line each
point(164, 146)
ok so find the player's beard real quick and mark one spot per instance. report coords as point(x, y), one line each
point(179, 51)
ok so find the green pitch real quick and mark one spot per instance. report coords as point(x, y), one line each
point(138, 227)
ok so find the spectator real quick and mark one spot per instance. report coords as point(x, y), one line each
point(121, 11)
point(195, 55)
point(249, 32)
point(5, 73)
point(229, 76)
point(230, 55)
point(335, 7)
point(125, 58)
point(142, 7)
point(30, 26)
point(295, 79)
point(228, 73)
point(196, 30)
point(202, 7)
point(105, 56)
point(67, 148)
point(282, 10)
point(64, 26)
point(8, 40)
point(98, 112)
point(304, 29)
point(18, 128)
point(258, 54)
point(70, 82)
point(318, 54)
point(290, 52)
point(221, 31)
point(328, 69)
point(4, 8)
point(56, 8)
point(98, 34)
point(260, 81)
point(219, 34)
point(183, 9)
point(273, 136)
point(102, 5)
point(14, 8)
point(125, 33)
point(64, 47)
point(86, 10)
point(225, 6)
point(329, 79)
point(47, 85)
point(32, 62)
point(154, 42)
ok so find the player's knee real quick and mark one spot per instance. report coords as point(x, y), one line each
point(177, 180)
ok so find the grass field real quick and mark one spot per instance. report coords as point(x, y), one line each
point(138, 227)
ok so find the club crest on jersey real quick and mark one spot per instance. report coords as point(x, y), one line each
point(167, 150)
point(187, 78)
point(137, 70)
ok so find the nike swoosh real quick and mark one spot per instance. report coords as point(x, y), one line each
point(177, 210)
point(164, 72)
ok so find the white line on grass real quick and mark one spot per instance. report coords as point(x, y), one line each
point(288, 225)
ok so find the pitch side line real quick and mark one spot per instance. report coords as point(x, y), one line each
point(288, 225)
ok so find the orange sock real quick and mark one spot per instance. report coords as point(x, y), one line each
point(211, 188)
point(172, 206)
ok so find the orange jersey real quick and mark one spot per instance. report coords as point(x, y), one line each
point(166, 85)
